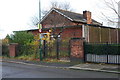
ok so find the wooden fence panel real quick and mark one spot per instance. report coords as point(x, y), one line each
point(104, 35)
point(94, 34)
point(113, 35)
point(119, 36)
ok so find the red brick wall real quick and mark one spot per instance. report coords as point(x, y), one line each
point(69, 33)
point(87, 15)
point(72, 32)
point(12, 49)
point(77, 49)
point(56, 20)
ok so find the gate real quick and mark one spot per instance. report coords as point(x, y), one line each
point(49, 49)
point(57, 49)
point(5, 50)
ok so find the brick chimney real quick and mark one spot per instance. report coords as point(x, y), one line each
point(87, 16)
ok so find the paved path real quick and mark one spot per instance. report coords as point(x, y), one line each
point(98, 67)
point(13, 70)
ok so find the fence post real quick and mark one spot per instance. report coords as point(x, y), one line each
point(41, 51)
point(84, 47)
point(0, 47)
point(12, 49)
point(44, 48)
point(107, 51)
point(57, 50)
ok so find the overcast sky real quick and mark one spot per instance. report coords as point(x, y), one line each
point(16, 14)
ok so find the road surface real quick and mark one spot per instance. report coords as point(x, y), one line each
point(13, 70)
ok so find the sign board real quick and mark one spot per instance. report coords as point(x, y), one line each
point(40, 30)
point(40, 27)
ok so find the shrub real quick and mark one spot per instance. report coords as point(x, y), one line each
point(102, 49)
point(5, 50)
point(22, 38)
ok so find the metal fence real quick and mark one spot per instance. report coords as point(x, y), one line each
point(5, 50)
point(64, 49)
point(102, 53)
point(57, 49)
point(111, 59)
point(49, 49)
point(27, 50)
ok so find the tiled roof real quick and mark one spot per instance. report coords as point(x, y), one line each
point(76, 17)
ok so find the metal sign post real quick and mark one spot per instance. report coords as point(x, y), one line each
point(40, 30)
point(41, 58)
point(41, 41)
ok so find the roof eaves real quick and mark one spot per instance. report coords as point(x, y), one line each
point(62, 27)
point(46, 15)
point(26, 30)
point(63, 14)
point(100, 26)
point(76, 20)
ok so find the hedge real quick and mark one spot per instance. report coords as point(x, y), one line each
point(27, 49)
point(102, 49)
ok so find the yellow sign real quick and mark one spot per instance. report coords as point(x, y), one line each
point(39, 26)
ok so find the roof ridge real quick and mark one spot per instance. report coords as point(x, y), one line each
point(68, 11)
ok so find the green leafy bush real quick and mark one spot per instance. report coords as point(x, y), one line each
point(28, 44)
point(22, 38)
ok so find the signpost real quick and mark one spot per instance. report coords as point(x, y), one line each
point(40, 30)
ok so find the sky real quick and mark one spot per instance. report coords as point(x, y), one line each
point(16, 15)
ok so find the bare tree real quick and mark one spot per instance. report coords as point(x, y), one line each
point(55, 4)
point(119, 14)
point(34, 20)
point(112, 5)
point(60, 5)
point(64, 5)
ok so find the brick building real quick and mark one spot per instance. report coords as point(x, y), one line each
point(74, 25)
point(69, 25)
point(66, 23)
